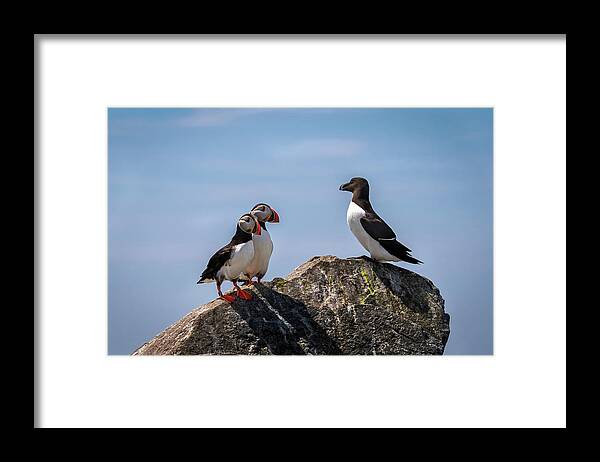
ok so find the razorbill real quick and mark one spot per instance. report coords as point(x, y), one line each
point(263, 245)
point(229, 261)
point(371, 231)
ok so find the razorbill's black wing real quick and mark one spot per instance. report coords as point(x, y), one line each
point(382, 233)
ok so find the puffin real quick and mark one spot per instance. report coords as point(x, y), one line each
point(263, 245)
point(230, 260)
point(372, 232)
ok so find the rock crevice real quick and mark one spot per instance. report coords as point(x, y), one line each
point(328, 306)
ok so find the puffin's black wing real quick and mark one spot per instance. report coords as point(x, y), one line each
point(215, 263)
point(382, 233)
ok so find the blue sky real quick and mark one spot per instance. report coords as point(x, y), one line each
point(178, 179)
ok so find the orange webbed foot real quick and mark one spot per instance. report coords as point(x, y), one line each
point(229, 298)
point(244, 295)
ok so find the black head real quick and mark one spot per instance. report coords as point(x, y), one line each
point(357, 186)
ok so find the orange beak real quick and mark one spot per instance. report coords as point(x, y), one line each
point(258, 229)
point(275, 217)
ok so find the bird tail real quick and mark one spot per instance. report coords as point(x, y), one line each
point(206, 278)
point(409, 259)
point(399, 251)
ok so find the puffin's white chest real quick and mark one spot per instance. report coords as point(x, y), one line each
point(241, 256)
point(263, 248)
point(353, 216)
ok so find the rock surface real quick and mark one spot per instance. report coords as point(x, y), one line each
point(326, 306)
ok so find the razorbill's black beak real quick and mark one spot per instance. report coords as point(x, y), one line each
point(344, 186)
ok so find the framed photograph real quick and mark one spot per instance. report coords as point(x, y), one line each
point(179, 180)
point(360, 223)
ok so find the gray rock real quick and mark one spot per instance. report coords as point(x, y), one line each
point(328, 306)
